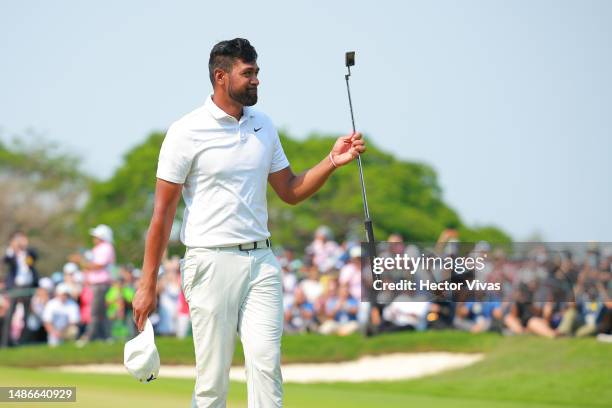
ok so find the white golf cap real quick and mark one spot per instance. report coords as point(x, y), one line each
point(46, 283)
point(140, 355)
point(70, 268)
point(355, 251)
point(325, 231)
point(103, 232)
point(62, 289)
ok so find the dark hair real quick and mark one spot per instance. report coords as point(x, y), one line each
point(224, 54)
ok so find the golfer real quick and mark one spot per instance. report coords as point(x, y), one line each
point(220, 157)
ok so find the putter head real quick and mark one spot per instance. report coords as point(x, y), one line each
point(349, 58)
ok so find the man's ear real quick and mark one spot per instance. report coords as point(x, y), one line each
point(219, 76)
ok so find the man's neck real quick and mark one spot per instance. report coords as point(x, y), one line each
point(227, 105)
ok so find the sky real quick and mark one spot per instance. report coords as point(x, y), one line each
point(509, 101)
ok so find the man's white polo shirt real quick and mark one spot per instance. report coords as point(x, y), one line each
point(224, 165)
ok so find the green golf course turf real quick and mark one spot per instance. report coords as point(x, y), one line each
point(516, 372)
point(299, 348)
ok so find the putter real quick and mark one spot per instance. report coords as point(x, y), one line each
point(350, 61)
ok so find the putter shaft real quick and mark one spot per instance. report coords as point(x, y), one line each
point(369, 229)
point(364, 197)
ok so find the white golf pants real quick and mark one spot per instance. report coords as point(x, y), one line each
point(232, 292)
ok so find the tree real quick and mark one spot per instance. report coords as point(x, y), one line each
point(404, 197)
point(125, 201)
point(43, 190)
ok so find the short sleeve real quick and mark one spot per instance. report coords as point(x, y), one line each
point(175, 156)
point(279, 160)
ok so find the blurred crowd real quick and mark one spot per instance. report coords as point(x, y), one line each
point(90, 299)
point(545, 292)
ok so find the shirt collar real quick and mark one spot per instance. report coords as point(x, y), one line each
point(219, 113)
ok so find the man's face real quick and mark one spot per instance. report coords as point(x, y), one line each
point(242, 82)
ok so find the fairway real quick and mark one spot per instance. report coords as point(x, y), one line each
point(516, 372)
point(101, 391)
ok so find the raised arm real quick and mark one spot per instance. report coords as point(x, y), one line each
point(292, 189)
point(167, 196)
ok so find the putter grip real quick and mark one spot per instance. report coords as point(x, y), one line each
point(370, 235)
point(371, 254)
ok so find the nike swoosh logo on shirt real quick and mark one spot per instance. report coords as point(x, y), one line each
point(257, 129)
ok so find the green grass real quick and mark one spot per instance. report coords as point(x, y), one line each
point(102, 391)
point(304, 348)
point(517, 372)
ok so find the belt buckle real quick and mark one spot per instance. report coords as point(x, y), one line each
point(253, 244)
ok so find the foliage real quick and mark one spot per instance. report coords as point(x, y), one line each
point(43, 190)
point(404, 197)
point(125, 201)
point(44, 163)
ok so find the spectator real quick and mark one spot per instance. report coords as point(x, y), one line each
point(118, 296)
point(604, 327)
point(35, 330)
point(98, 277)
point(547, 283)
point(311, 285)
point(299, 314)
point(340, 313)
point(4, 307)
point(329, 291)
point(20, 259)
point(440, 316)
point(582, 319)
point(324, 249)
point(169, 288)
point(289, 280)
point(22, 277)
point(127, 274)
point(350, 274)
point(524, 316)
point(405, 313)
point(590, 316)
point(476, 316)
point(73, 278)
point(61, 316)
point(17, 323)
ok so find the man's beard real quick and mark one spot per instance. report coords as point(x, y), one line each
point(245, 97)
